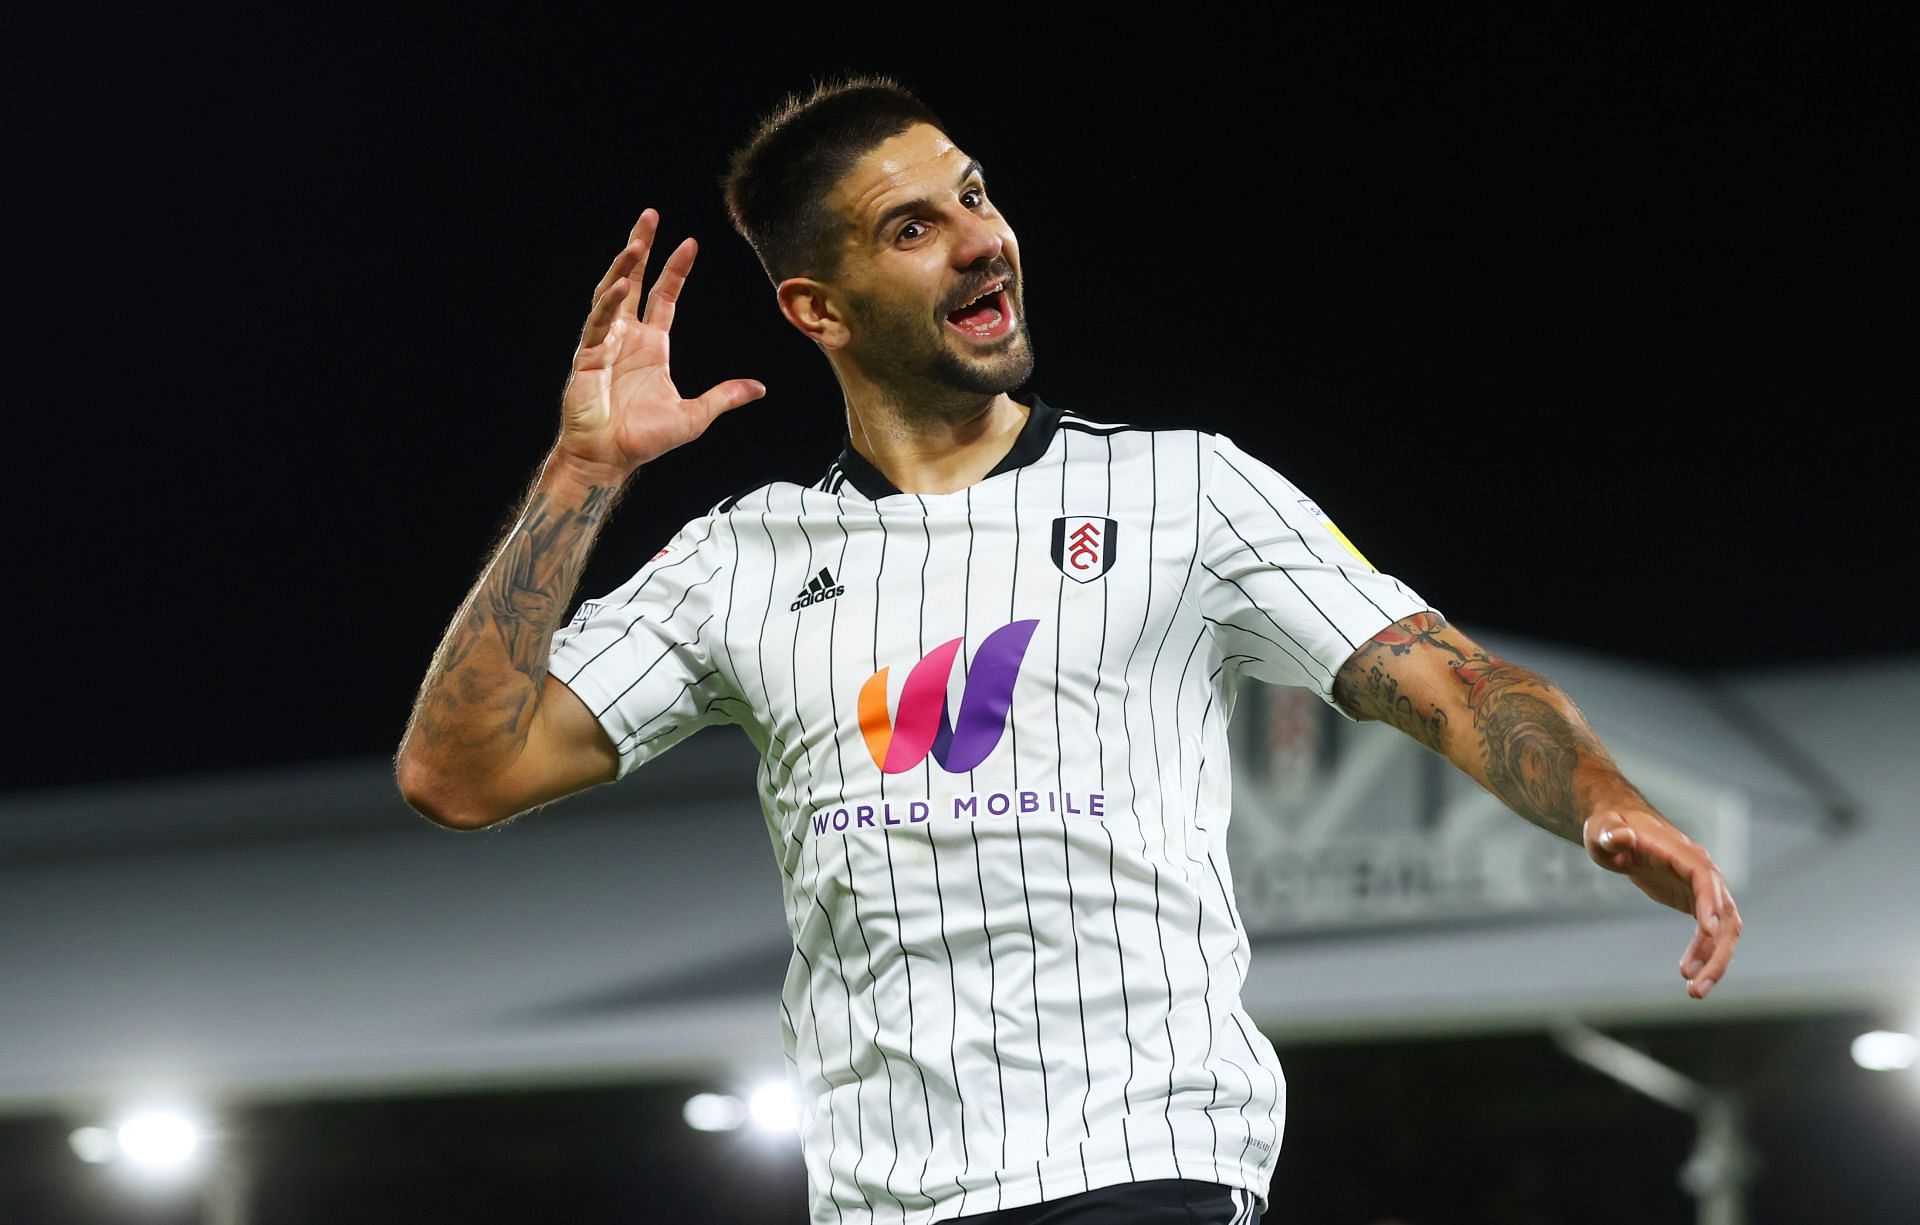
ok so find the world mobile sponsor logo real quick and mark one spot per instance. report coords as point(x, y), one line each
point(973, 806)
point(899, 742)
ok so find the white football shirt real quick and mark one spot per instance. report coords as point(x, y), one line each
point(994, 771)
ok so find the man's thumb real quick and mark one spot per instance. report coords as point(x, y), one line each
point(731, 394)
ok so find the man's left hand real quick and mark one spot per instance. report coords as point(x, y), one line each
point(1672, 869)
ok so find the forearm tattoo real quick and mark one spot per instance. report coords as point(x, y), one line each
point(490, 668)
point(1530, 743)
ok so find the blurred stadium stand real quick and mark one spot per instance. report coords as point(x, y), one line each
point(301, 934)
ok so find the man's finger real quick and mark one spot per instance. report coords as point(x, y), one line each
point(665, 294)
point(636, 249)
point(1708, 958)
point(615, 270)
point(1705, 886)
point(729, 395)
point(1723, 944)
point(605, 309)
point(644, 234)
point(1696, 955)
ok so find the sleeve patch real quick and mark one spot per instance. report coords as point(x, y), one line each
point(587, 610)
point(1314, 510)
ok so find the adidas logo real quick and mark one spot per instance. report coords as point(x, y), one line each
point(819, 588)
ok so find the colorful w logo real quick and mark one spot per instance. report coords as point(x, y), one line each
point(900, 744)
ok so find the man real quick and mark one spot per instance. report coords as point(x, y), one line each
point(988, 660)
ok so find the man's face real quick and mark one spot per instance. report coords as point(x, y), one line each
point(924, 243)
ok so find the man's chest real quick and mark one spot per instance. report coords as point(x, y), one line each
point(867, 612)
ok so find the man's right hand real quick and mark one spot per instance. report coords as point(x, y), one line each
point(621, 409)
point(492, 734)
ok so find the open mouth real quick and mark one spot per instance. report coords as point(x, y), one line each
point(987, 317)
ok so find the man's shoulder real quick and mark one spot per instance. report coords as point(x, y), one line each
point(741, 498)
point(1132, 439)
point(1113, 425)
point(768, 495)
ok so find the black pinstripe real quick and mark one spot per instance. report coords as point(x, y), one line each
point(900, 934)
point(1020, 846)
point(1066, 846)
point(644, 672)
point(1288, 524)
point(1284, 573)
point(860, 1091)
point(595, 657)
point(993, 972)
point(940, 898)
point(1113, 884)
point(673, 702)
point(1255, 605)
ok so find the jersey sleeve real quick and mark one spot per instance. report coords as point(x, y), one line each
point(1289, 596)
point(643, 657)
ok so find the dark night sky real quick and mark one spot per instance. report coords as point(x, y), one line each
point(1592, 333)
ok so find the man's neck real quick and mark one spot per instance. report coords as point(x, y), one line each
point(941, 451)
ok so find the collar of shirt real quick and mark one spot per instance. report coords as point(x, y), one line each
point(1035, 437)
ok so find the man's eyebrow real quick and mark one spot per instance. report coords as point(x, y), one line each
point(922, 204)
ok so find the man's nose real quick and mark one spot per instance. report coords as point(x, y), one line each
point(976, 240)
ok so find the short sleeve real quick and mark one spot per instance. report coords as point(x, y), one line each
point(642, 658)
point(1289, 596)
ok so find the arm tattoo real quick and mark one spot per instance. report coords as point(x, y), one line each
point(1530, 744)
point(491, 667)
point(1368, 689)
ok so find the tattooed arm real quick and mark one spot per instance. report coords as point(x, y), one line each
point(492, 734)
point(1521, 738)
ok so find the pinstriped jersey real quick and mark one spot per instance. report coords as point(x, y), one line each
point(992, 728)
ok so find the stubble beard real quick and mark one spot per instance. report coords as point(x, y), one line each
point(923, 371)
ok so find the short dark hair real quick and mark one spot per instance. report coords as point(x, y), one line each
point(777, 184)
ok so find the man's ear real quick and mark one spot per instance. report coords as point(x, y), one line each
point(810, 306)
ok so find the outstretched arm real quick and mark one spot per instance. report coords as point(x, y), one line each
point(1523, 739)
point(492, 733)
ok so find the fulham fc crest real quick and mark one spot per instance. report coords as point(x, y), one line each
point(1084, 547)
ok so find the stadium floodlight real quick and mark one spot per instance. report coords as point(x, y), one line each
point(1885, 1051)
point(772, 1108)
point(94, 1145)
point(159, 1140)
point(163, 1151)
point(714, 1112)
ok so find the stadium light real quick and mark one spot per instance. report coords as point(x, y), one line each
point(159, 1140)
point(1886, 1051)
point(772, 1109)
point(714, 1112)
point(161, 1148)
point(153, 1141)
point(94, 1145)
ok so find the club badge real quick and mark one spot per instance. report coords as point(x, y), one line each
point(1084, 546)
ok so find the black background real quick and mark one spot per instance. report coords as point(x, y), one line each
point(1591, 331)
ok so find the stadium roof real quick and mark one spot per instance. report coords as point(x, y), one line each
point(301, 931)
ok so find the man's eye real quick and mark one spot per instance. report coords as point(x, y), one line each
point(978, 196)
point(910, 230)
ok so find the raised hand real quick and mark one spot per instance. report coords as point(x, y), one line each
point(1672, 869)
point(621, 409)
